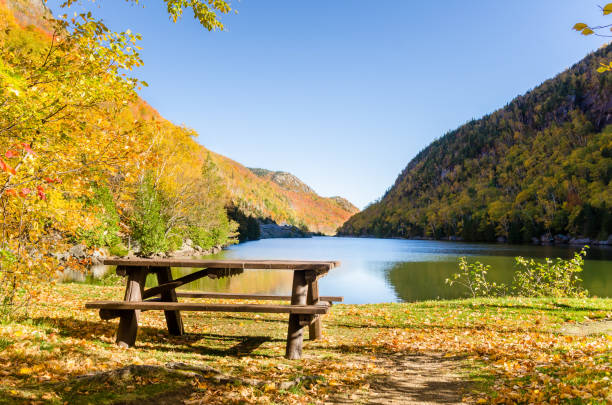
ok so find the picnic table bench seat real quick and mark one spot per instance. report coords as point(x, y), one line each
point(317, 309)
point(305, 309)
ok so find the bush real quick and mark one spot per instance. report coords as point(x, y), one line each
point(473, 277)
point(556, 278)
point(550, 279)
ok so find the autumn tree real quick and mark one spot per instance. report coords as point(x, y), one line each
point(67, 132)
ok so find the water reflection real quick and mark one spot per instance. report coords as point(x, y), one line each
point(415, 281)
point(386, 270)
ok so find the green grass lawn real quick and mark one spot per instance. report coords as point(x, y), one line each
point(511, 350)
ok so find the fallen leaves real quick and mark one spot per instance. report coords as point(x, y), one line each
point(520, 359)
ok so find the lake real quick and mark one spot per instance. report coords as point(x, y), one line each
point(392, 270)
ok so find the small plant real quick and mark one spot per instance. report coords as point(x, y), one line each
point(473, 277)
point(556, 278)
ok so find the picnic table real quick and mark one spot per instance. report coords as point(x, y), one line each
point(305, 309)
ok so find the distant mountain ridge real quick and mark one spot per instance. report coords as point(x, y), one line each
point(286, 180)
point(538, 167)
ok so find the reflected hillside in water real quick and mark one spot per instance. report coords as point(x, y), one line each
point(416, 281)
point(389, 270)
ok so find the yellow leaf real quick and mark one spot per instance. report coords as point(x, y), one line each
point(587, 31)
point(25, 370)
point(580, 26)
point(607, 9)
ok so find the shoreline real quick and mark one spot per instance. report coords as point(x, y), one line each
point(582, 241)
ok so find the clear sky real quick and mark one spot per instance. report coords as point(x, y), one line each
point(344, 93)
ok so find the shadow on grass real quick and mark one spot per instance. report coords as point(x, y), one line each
point(150, 338)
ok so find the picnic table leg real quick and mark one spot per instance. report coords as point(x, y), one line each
point(295, 333)
point(173, 318)
point(314, 329)
point(128, 322)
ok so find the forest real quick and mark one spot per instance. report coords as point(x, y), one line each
point(537, 168)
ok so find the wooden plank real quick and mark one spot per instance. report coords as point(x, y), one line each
point(225, 264)
point(171, 285)
point(261, 297)
point(128, 323)
point(312, 298)
point(295, 331)
point(194, 306)
point(108, 314)
point(173, 318)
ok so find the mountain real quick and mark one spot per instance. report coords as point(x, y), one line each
point(538, 167)
point(29, 13)
point(319, 214)
point(280, 196)
point(285, 180)
point(344, 204)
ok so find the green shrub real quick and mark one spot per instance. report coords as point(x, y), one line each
point(550, 278)
point(473, 277)
point(556, 278)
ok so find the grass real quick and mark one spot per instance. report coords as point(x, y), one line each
point(511, 350)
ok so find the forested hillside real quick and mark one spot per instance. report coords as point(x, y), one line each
point(540, 166)
point(84, 160)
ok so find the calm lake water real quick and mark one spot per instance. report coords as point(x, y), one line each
point(391, 270)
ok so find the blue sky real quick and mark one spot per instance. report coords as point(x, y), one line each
point(344, 93)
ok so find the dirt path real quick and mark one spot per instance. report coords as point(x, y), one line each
point(589, 328)
point(414, 379)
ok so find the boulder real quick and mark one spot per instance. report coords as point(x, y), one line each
point(535, 241)
point(546, 238)
point(78, 251)
point(97, 256)
point(561, 239)
point(580, 241)
point(501, 239)
point(61, 256)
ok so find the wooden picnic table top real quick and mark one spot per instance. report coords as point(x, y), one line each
point(225, 264)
